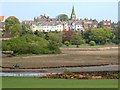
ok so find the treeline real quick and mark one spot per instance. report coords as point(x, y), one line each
point(24, 41)
point(96, 36)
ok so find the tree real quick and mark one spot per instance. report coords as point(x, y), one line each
point(15, 30)
point(101, 35)
point(11, 21)
point(62, 17)
point(56, 37)
point(30, 44)
point(54, 48)
point(67, 35)
point(77, 39)
point(86, 35)
point(39, 33)
point(26, 29)
point(116, 36)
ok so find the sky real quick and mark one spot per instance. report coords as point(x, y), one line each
point(91, 10)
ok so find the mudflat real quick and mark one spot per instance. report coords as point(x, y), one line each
point(69, 58)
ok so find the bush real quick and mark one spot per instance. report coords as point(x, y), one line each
point(16, 66)
point(67, 43)
point(68, 72)
point(92, 43)
point(30, 44)
point(54, 47)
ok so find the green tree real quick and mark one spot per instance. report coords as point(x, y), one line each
point(39, 33)
point(15, 30)
point(56, 37)
point(62, 17)
point(77, 39)
point(26, 29)
point(86, 35)
point(30, 44)
point(116, 36)
point(101, 35)
point(54, 48)
point(11, 21)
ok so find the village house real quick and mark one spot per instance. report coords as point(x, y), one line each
point(2, 23)
point(114, 26)
point(105, 23)
point(45, 23)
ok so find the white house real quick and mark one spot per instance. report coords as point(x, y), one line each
point(59, 27)
point(34, 27)
point(65, 26)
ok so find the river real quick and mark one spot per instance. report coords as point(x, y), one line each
point(61, 70)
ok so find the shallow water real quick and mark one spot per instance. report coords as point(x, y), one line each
point(22, 74)
point(61, 70)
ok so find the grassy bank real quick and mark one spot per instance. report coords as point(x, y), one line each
point(30, 82)
point(88, 46)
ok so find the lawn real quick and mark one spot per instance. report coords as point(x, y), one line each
point(30, 82)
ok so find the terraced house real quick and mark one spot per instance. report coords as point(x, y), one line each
point(45, 23)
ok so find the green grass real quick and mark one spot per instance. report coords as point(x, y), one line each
point(88, 46)
point(30, 82)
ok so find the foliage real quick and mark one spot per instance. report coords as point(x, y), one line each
point(101, 35)
point(77, 39)
point(53, 46)
point(55, 37)
point(15, 30)
point(11, 21)
point(67, 72)
point(39, 33)
point(29, 44)
point(67, 43)
point(116, 37)
point(67, 35)
point(62, 17)
point(26, 29)
point(86, 35)
point(16, 66)
point(92, 43)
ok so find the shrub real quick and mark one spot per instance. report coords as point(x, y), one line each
point(92, 43)
point(67, 43)
point(16, 66)
point(53, 47)
point(30, 44)
point(67, 72)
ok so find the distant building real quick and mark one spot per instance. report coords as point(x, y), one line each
point(30, 22)
point(105, 23)
point(115, 26)
point(2, 23)
point(45, 23)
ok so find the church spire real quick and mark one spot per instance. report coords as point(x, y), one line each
point(73, 15)
point(73, 11)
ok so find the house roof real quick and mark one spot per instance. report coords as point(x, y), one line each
point(1, 18)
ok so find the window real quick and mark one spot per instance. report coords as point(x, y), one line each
point(105, 23)
point(108, 23)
